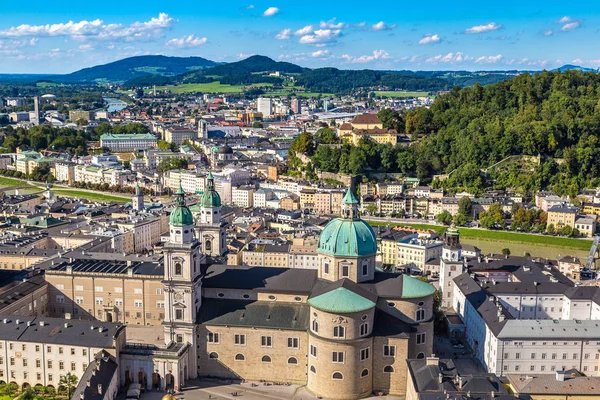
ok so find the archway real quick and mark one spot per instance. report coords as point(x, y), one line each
point(142, 378)
point(169, 381)
point(39, 388)
point(109, 316)
point(25, 386)
point(156, 380)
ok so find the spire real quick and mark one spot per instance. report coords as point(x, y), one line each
point(180, 199)
point(210, 181)
point(138, 190)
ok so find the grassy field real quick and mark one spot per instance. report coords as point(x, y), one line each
point(519, 249)
point(398, 94)
point(506, 238)
point(7, 182)
point(212, 87)
point(94, 196)
point(46, 84)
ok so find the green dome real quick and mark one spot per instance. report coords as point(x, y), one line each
point(341, 300)
point(210, 197)
point(348, 238)
point(414, 288)
point(181, 214)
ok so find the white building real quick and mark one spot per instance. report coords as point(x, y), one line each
point(243, 196)
point(191, 182)
point(261, 196)
point(98, 175)
point(264, 105)
point(414, 253)
point(128, 142)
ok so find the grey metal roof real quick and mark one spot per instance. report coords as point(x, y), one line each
point(260, 279)
point(260, 314)
point(99, 374)
point(53, 331)
point(551, 329)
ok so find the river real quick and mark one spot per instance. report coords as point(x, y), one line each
point(114, 104)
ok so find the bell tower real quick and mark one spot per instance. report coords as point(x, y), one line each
point(182, 295)
point(451, 265)
point(137, 200)
point(210, 226)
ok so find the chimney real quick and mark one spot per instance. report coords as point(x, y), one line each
point(81, 396)
point(433, 360)
point(560, 376)
point(460, 383)
point(68, 315)
point(89, 383)
point(100, 389)
point(440, 378)
point(130, 272)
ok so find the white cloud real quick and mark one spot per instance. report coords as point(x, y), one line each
point(284, 34)
point(428, 39)
point(377, 55)
point(331, 24)
point(304, 31)
point(489, 59)
point(320, 53)
point(564, 20)
point(86, 47)
point(244, 55)
point(382, 26)
point(269, 12)
point(95, 29)
point(492, 26)
point(186, 42)
point(570, 26)
point(250, 7)
point(449, 58)
point(549, 32)
point(321, 36)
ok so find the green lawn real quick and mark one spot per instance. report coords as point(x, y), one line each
point(4, 182)
point(46, 84)
point(399, 94)
point(96, 196)
point(507, 237)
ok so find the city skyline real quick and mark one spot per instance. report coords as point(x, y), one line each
point(436, 37)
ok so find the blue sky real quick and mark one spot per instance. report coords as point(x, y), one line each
point(61, 36)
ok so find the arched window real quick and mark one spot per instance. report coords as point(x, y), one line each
point(315, 326)
point(337, 375)
point(208, 245)
point(421, 355)
point(213, 355)
point(420, 315)
point(239, 357)
point(388, 368)
point(339, 331)
point(365, 372)
point(292, 360)
point(178, 269)
point(313, 369)
point(266, 359)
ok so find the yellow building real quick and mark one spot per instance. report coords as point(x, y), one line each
point(560, 216)
point(591, 208)
point(367, 125)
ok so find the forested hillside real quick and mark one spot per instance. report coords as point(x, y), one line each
point(552, 114)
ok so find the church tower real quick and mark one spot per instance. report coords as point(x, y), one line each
point(182, 260)
point(451, 265)
point(210, 227)
point(137, 201)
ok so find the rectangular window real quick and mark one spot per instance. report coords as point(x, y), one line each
point(339, 331)
point(313, 351)
point(338, 357)
point(213, 337)
point(73, 366)
point(119, 302)
point(60, 350)
point(293, 343)
point(364, 354)
point(138, 303)
point(266, 341)
point(38, 363)
point(137, 291)
point(240, 340)
point(159, 291)
point(78, 288)
point(364, 329)
point(49, 349)
point(99, 301)
point(24, 362)
point(99, 289)
point(60, 298)
point(78, 299)
point(49, 377)
point(118, 290)
point(49, 364)
point(61, 365)
point(178, 314)
point(421, 338)
point(345, 271)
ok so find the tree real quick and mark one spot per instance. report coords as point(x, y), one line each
point(371, 208)
point(172, 163)
point(257, 124)
point(444, 218)
point(460, 219)
point(550, 229)
point(506, 251)
point(326, 136)
point(465, 205)
point(566, 230)
point(164, 145)
point(67, 383)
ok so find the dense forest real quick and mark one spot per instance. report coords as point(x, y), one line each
point(551, 114)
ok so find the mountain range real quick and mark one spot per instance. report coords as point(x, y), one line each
point(143, 71)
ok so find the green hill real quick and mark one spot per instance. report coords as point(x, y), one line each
point(134, 67)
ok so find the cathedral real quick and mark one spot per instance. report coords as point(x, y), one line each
point(344, 330)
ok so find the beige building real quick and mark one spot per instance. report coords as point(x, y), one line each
point(243, 196)
point(367, 125)
point(561, 216)
point(146, 231)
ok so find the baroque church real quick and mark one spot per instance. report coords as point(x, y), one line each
point(344, 330)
